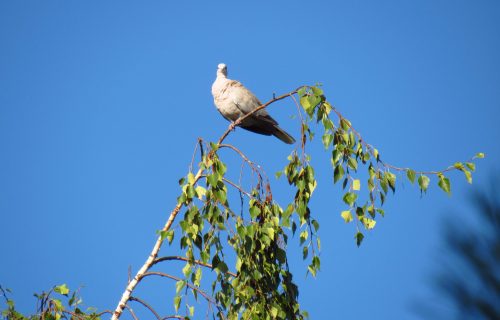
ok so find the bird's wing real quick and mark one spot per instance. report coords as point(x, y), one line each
point(244, 99)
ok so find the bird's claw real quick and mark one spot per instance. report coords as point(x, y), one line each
point(234, 124)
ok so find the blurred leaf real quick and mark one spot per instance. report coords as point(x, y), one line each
point(423, 182)
point(411, 175)
point(177, 303)
point(444, 183)
point(359, 238)
point(346, 215)
point(62, 289)
point(356, 185)
point(338, 173)
point(468, 175)
point(349, 198)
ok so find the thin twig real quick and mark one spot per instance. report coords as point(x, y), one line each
point(131, 312)
point(194, 154)
point(256, 168)
point(166, 275)
point(202, 152)
point(198, 262)
point(370, 148)
point(146, 305)
point(240, 189)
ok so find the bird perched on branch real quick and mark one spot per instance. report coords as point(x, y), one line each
point(234, 101)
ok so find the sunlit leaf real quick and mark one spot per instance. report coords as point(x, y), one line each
point(423, 182)
point(346, 215)
point(356, 184)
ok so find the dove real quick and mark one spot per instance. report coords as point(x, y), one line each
point(234, 101)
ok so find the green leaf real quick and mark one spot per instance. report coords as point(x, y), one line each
point(345, 124)
point(254, 211)
point(190, 178)
point(197, 277)
point(359, 238)
point(383, 184)
point(315, 224)
point(221, 196)
point(222, 266)
point(179, 285)
point(186, 270)
point(338, 173)
point(459, 165)
point(190, 191)
point(305, 252)
point(302, 91)
point(356, 185)
point(177, 303)
point(309, 102)
point(423, 182)
point(444, 183)
point(311, 269)
point(468, 175)
point(346, 215)
point(238, 264)
point(391, 179)
point(303, 236)
point(380, 211)
point(205, 256)
point(58, 304)
point(410, 174)
point(349, 198)
point(200, 192)
point(480, 155)
point(352, 163)
point(471, 166)
point(213, 179)
point(327, 140)
point(169, 235)
point(336, 155)
point(317, 91)
point(62, 289)
point(368, 223)
point(274, 312)
point(191, 311)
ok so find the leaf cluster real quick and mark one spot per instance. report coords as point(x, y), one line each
point(58, 303)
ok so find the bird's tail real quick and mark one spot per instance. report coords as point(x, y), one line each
point(282, 135)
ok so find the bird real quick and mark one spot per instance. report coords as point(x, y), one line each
point(234, 101)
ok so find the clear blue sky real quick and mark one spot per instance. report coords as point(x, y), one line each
point(101, 103)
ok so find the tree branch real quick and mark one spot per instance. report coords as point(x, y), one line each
point(173, 214)
point(198, 262)
point(146, 305)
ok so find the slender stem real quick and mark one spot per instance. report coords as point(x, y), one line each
point(147, 306)
point(166, 275)
point(198, 262)
point(131, 312)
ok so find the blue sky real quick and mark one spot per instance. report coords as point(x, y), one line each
point(101, 104)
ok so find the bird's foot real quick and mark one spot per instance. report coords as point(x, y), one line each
point(234, 124)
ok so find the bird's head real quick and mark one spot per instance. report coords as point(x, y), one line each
point(222, 69)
